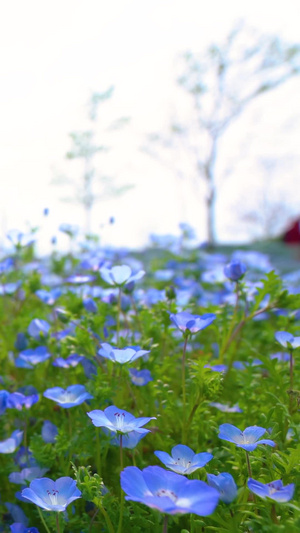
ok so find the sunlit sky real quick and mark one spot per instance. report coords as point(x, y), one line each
point(54, 55)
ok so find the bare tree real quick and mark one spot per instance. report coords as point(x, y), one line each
point(85, 149)
point(221, 83)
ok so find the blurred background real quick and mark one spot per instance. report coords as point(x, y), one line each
point(129, 117)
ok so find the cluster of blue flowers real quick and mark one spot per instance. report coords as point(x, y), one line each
point(70, 337)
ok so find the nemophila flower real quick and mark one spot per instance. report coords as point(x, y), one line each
point(72, 396)
point(70, 229)
point(17, 514)
point(287, 340)
point(225, 485)
point(247, 439)
point(274, 490)
point(90, 305)
point(18, 400)
point(140, 377)
point(235, 270)
point(18, 527)
point(38, 328)
point(49, 431)
point(10, 288)
point(168, 492)
point(49, 297)
point(11, 444)
point(24, 458)
point(89, 368)
point(71, 361)
point(123, 355)
point(119, 421)
point(6, 265)
point(183, 460)
point(217, 368)
point(52, 495)
point(18, 238)
point(282, 357)
point(31, 357)
point(27, 474)
point(118, 276)
point(21, 342)
point(80, 278)
point(226, 408)
point(129, 440)
point(4, 395)
point(186, 322)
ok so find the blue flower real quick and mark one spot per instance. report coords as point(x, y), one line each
point(274, 490)
point(124, 355)
point(226, 408)
point(282, 357)
point(80, 278)
point(31, 357)
point(287, 339)
point(191, 323)
point(49, 297)
point(10, 445)
point(248, 439)
point(168, 492)
point(235, 270)
point(225, 485)
point(70, 361)
point(140, 377)
point(17, 400)
point(129, 440)
point(183, 460)
point(4, 395)
point(49, 431)
point(27, 474)
point(21, 342)
point(38, 328)
point(90, 305)
point(52, 495)
point(17, 513)
point(70, 229)
point(119, 421)
point(18, 238)
point(118, 276)
point(72, 396)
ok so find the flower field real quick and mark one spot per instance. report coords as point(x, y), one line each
point(155, 391)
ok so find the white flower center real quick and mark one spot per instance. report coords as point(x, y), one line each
point(68, 397)
point(120, 417)
point(241, 439)
point(53, 494)
point(167, 494)
point(181, 461)
point(272, 488)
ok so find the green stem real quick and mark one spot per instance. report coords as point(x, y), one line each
point(121, 451)
point(107, 520)
point(43, 520)
point(70, 437)
point(291, 370)
point(98, 462)
point(248, 464)
point(57, 523)
point(183, 391)
point(273, 514)
point(165, 524)
point(122, 493)
point(118, 315)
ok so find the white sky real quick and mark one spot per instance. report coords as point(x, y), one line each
point(54, 55)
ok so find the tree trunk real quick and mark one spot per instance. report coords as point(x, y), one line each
point(210, 207)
